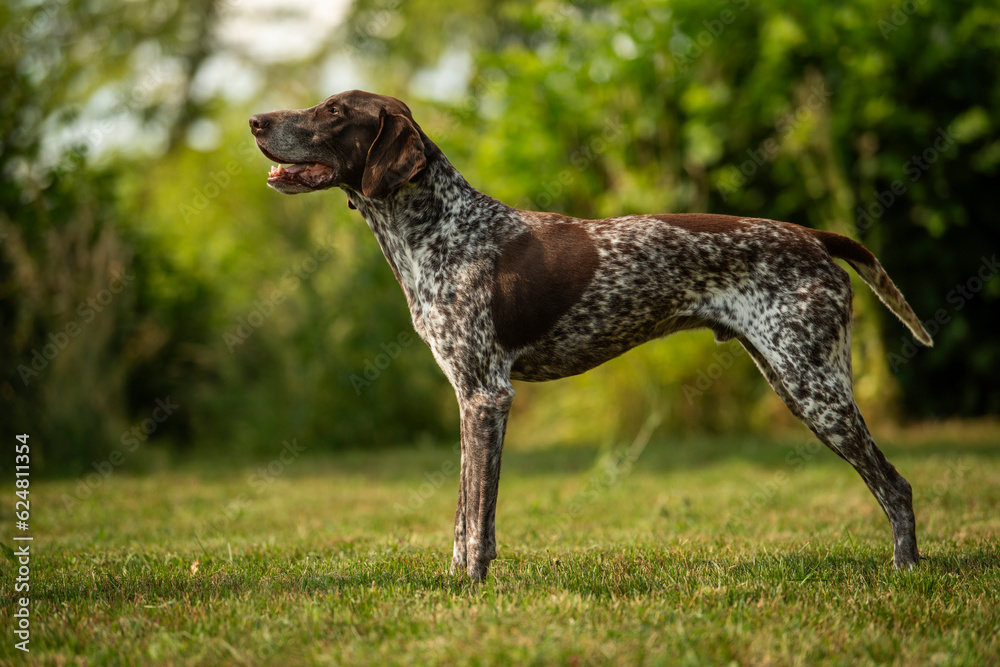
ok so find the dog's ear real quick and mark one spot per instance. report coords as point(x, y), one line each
point(396, 156)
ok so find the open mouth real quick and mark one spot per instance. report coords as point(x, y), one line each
point(312, 175)
point(292, 178)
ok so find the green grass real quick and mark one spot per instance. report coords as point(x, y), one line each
point(705, 551)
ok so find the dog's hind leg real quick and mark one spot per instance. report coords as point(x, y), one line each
point(764, 366)
point(812, 375)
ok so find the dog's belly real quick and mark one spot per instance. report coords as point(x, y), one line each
point(575, 347)
point(551, 362)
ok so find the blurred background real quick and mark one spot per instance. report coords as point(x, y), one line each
point(158, 300)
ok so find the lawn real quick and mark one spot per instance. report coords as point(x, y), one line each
point(685, 551)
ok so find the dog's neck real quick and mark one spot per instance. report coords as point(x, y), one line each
point(430, 225)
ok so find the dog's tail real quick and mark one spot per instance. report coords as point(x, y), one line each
point(863, 261)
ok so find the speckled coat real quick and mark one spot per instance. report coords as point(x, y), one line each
point(499, 293)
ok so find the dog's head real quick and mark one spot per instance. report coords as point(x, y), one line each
point(355, 139)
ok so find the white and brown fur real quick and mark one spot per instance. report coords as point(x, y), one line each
point(499, 293)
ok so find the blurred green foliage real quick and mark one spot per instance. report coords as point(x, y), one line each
point(142, 257)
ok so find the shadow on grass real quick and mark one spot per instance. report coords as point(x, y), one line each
point(600, 573)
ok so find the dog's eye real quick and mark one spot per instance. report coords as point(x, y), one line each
point(333, 110)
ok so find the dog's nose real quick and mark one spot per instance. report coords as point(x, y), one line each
point(259, 123)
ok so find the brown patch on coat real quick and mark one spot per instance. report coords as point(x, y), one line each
point(541, 274)
point(701, 222)
point(395, 157)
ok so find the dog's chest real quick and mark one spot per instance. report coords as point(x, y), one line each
point(440, 275)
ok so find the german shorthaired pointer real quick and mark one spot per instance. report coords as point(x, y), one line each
point(499, 293)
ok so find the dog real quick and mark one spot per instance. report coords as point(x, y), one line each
point(499, 293)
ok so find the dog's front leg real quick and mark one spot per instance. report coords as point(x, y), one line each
point(484, 421)
point(458, 552)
